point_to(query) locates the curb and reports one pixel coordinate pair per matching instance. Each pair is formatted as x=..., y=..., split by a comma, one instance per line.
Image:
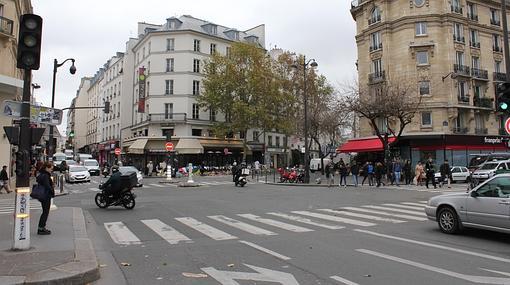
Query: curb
x=84, y=269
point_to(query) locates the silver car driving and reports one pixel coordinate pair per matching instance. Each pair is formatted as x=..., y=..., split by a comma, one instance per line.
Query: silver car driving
x=487, y=206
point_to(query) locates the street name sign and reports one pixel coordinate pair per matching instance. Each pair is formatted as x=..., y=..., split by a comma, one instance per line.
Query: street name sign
x=38, y=114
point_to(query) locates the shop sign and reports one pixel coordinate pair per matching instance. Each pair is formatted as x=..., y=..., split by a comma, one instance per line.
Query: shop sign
x=492, y=140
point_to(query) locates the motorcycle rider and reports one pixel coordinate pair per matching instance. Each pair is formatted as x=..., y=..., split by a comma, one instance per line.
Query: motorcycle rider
x=238, y=172
x=113, y=184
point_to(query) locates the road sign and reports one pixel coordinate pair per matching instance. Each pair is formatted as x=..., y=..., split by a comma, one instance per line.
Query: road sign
x=263, y=274
x=169, y=146
x=38, y=114
x=507, y=126
x=117, y=151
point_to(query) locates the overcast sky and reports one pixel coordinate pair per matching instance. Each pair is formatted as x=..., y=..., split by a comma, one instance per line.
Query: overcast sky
x=92, y=31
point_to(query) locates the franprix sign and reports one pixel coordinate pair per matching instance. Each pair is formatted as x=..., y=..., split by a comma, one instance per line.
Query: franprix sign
x=38, y=114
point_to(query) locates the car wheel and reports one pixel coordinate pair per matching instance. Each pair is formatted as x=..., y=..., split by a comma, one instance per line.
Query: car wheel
x=448, y=220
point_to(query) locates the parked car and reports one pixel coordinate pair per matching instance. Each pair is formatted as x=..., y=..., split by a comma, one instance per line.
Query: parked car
x=93, y=166
x=459, y=174
x=127, y=169
x=77, y=173
x=489, y=168
x=487, y=206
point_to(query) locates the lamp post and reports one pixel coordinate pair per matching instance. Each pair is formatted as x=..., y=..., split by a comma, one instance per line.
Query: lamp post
x=304, y=65
x=72, y=70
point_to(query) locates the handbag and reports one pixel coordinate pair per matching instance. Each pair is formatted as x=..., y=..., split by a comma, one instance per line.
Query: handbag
x=38, y=192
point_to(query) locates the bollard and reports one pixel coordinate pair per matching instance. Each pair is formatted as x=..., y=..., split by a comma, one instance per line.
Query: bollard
x=61, y=183
x=169, y=173
x=190, y=173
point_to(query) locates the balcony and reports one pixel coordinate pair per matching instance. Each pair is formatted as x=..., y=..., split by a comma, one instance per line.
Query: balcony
x=474, y=44
x=460, y=39
x=482, y=102
x=456, y=9
x=460, y=130
x=499, y=76
x=374, y=20
x=376, y=77
x=170, y=117
x=495, y=22
x=497, y=48
x=377, y=47
x=472, y=17
x=6, y=26
x=482, y=131
x=462, y=70
x=463, y=99
x=480, y=73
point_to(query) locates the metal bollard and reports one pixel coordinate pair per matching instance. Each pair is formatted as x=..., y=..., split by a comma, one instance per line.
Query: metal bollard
x=61, y=183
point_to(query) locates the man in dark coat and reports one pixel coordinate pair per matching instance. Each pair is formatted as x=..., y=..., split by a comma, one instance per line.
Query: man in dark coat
x=113, y=185
x=4, y=180
x=446, y=173
x=430, y=170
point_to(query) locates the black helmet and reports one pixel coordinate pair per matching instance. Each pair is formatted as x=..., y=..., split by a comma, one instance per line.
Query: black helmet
x=115, y=168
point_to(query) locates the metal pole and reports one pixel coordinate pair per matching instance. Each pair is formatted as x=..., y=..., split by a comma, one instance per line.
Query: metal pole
x=50, y=142
x=307, y=164
x=505, y=40
x=22, y=199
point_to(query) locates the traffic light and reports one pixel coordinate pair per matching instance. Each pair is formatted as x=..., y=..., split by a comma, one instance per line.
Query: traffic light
x=22, y=163
x=503, y=96
x=71, y=134
x=107, y=107
x=29, y=42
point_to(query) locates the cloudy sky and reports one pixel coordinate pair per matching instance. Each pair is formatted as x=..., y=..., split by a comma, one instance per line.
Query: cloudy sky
x=94, y=30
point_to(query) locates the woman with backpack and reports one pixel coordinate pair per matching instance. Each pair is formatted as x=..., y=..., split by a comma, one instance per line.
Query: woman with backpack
x=44, y=181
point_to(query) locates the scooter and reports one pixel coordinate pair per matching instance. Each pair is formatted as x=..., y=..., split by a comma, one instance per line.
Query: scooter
x=125, y=197
x=241, y=180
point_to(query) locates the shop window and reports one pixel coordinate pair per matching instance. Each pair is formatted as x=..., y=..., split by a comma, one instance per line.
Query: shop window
x=196, y=132
x=167, y=132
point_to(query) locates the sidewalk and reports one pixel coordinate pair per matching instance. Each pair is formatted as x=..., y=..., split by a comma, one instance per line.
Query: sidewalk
x=64, y=257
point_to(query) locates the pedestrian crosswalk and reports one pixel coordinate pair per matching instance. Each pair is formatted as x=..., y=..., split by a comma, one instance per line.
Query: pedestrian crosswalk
x=181, y=230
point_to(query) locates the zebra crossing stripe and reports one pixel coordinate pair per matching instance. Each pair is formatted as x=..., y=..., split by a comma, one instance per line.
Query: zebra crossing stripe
x=306, y=221
x=415, y=204
x=265, y=250
x=395, y=210
x=120, y=234
x=363, y=216
x=205, y=229
x=94, y=189
x=275, y=223
x=157, y=185
x=405, y=207
x=242, y=226
x=165, y=231
x=343, y=280
x=335, y=218
x=401, y=216
x=424, y=202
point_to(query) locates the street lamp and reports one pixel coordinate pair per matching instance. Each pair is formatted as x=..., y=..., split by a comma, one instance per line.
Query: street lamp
x=72, y=70
x=304, y=65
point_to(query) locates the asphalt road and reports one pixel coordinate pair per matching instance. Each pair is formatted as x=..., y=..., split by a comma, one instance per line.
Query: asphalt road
x=266, y=234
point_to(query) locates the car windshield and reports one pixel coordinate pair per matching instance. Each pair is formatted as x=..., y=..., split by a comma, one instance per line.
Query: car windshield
x=125, y=169
x=90, y=163
x=77, y=169
x=489, y=166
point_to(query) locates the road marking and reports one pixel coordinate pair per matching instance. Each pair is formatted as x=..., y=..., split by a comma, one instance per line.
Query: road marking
x=334, y=218
x=120, y=234
x=157, y=185
x=449, y=248
x=265, y=250
x=402, y=216
x=470, y=278
x=395, y=210
x=424, y=202
x=343, y=280
x=363, y=216
x=94, y=189
x=306, y=221
x=165, y=231
x=415, y=204
x=263, y=274
x=405, y=207
x=242, y=226
x=207, y=230
x=275, y=223
x=95, y=182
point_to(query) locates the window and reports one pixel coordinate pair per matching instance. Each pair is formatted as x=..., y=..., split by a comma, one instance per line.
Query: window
x=459, y=58
x=474, y=41
x=458, y=32
x=212, y=50
x=422, y=57
x=377, y=68
x=196, y=132
x=495, y=17
x=169, y=87
x=496, y=43
x=170, y=44
x=196, y=65
x=475, y=62
x=462, y=90
x=212, y=115
x=214, y=29
x=421, y=29
x=169, y=110
x=426, y=119
x=242, y=135
x=196, y=112
x=170, y=65
x=456, y=6
x=270, y=140
x=472, y=13
x=375, y=41
x=375, y=16
x=277, y=141
x=497, y=66
x=196, y=87
x=424, y=87
x=255, y=136
x=196, y=45
x=479, y=122
x=167, y=132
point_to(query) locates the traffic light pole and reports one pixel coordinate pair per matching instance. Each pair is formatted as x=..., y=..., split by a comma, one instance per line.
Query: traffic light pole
x=22, y=207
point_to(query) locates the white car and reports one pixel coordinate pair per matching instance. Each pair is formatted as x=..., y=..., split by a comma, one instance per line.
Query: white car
x=488, y=169
x=77, y=173
x=92, y=165
x=128, y=169
x=487, y=207
x=459, y=174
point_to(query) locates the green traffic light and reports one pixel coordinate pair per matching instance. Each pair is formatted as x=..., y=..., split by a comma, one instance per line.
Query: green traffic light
x=503, y=106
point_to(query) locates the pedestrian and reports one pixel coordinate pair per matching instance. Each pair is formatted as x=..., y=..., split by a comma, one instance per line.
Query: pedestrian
x=328, y=170
x=150, y=168
x=418, y=173
x=355, y=173
x=430, y=171
x=234, y=171
x=379, y=172
x=343, y=173
x=397, y=171
x=371, y=172
x=364, y=173
x=408, y=177
x=390, y=179
x=4, y=180
x=44, y=180
x=446, y=173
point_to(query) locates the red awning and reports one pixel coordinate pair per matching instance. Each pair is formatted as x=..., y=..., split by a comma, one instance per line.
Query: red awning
x=363, y=145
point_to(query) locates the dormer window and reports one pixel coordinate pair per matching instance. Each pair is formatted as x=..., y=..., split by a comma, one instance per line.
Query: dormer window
x=375, y=16
x=232, y=34
x=173, y=23
x=252, y=39
x=211, y=29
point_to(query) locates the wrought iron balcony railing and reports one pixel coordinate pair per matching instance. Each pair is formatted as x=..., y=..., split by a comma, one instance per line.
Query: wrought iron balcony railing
x=456, y=9
x=474, y=44
x=461, y=70
x=495, y=22
x=482, y=102
x=377, y=77
x=459, y=38
x=497, y=48
x=499, y=76
x=463, y=98
x=376, y=47
x=472, y=17
x=480, y=73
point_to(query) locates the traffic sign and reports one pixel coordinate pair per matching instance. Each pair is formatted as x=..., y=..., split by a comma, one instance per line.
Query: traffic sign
x=169, y=146
x=117, y=151
x=38, y=114
x=507, y=126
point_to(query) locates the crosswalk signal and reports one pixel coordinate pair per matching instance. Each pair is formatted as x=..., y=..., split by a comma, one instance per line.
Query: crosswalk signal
x=71, y=134
x=29, y=42
x=503, y=96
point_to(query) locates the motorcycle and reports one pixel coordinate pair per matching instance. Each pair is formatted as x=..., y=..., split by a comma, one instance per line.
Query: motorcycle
x=125, y=197
x=106, y=171
x=241, y=180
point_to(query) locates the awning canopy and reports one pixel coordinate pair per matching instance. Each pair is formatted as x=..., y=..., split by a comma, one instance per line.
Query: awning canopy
x=221, y=143
x=363, y=145
x=138, y=146
x=189, y=146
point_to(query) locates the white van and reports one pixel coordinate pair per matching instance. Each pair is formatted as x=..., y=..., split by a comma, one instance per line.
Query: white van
x=80, y=157
x=315, y=164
